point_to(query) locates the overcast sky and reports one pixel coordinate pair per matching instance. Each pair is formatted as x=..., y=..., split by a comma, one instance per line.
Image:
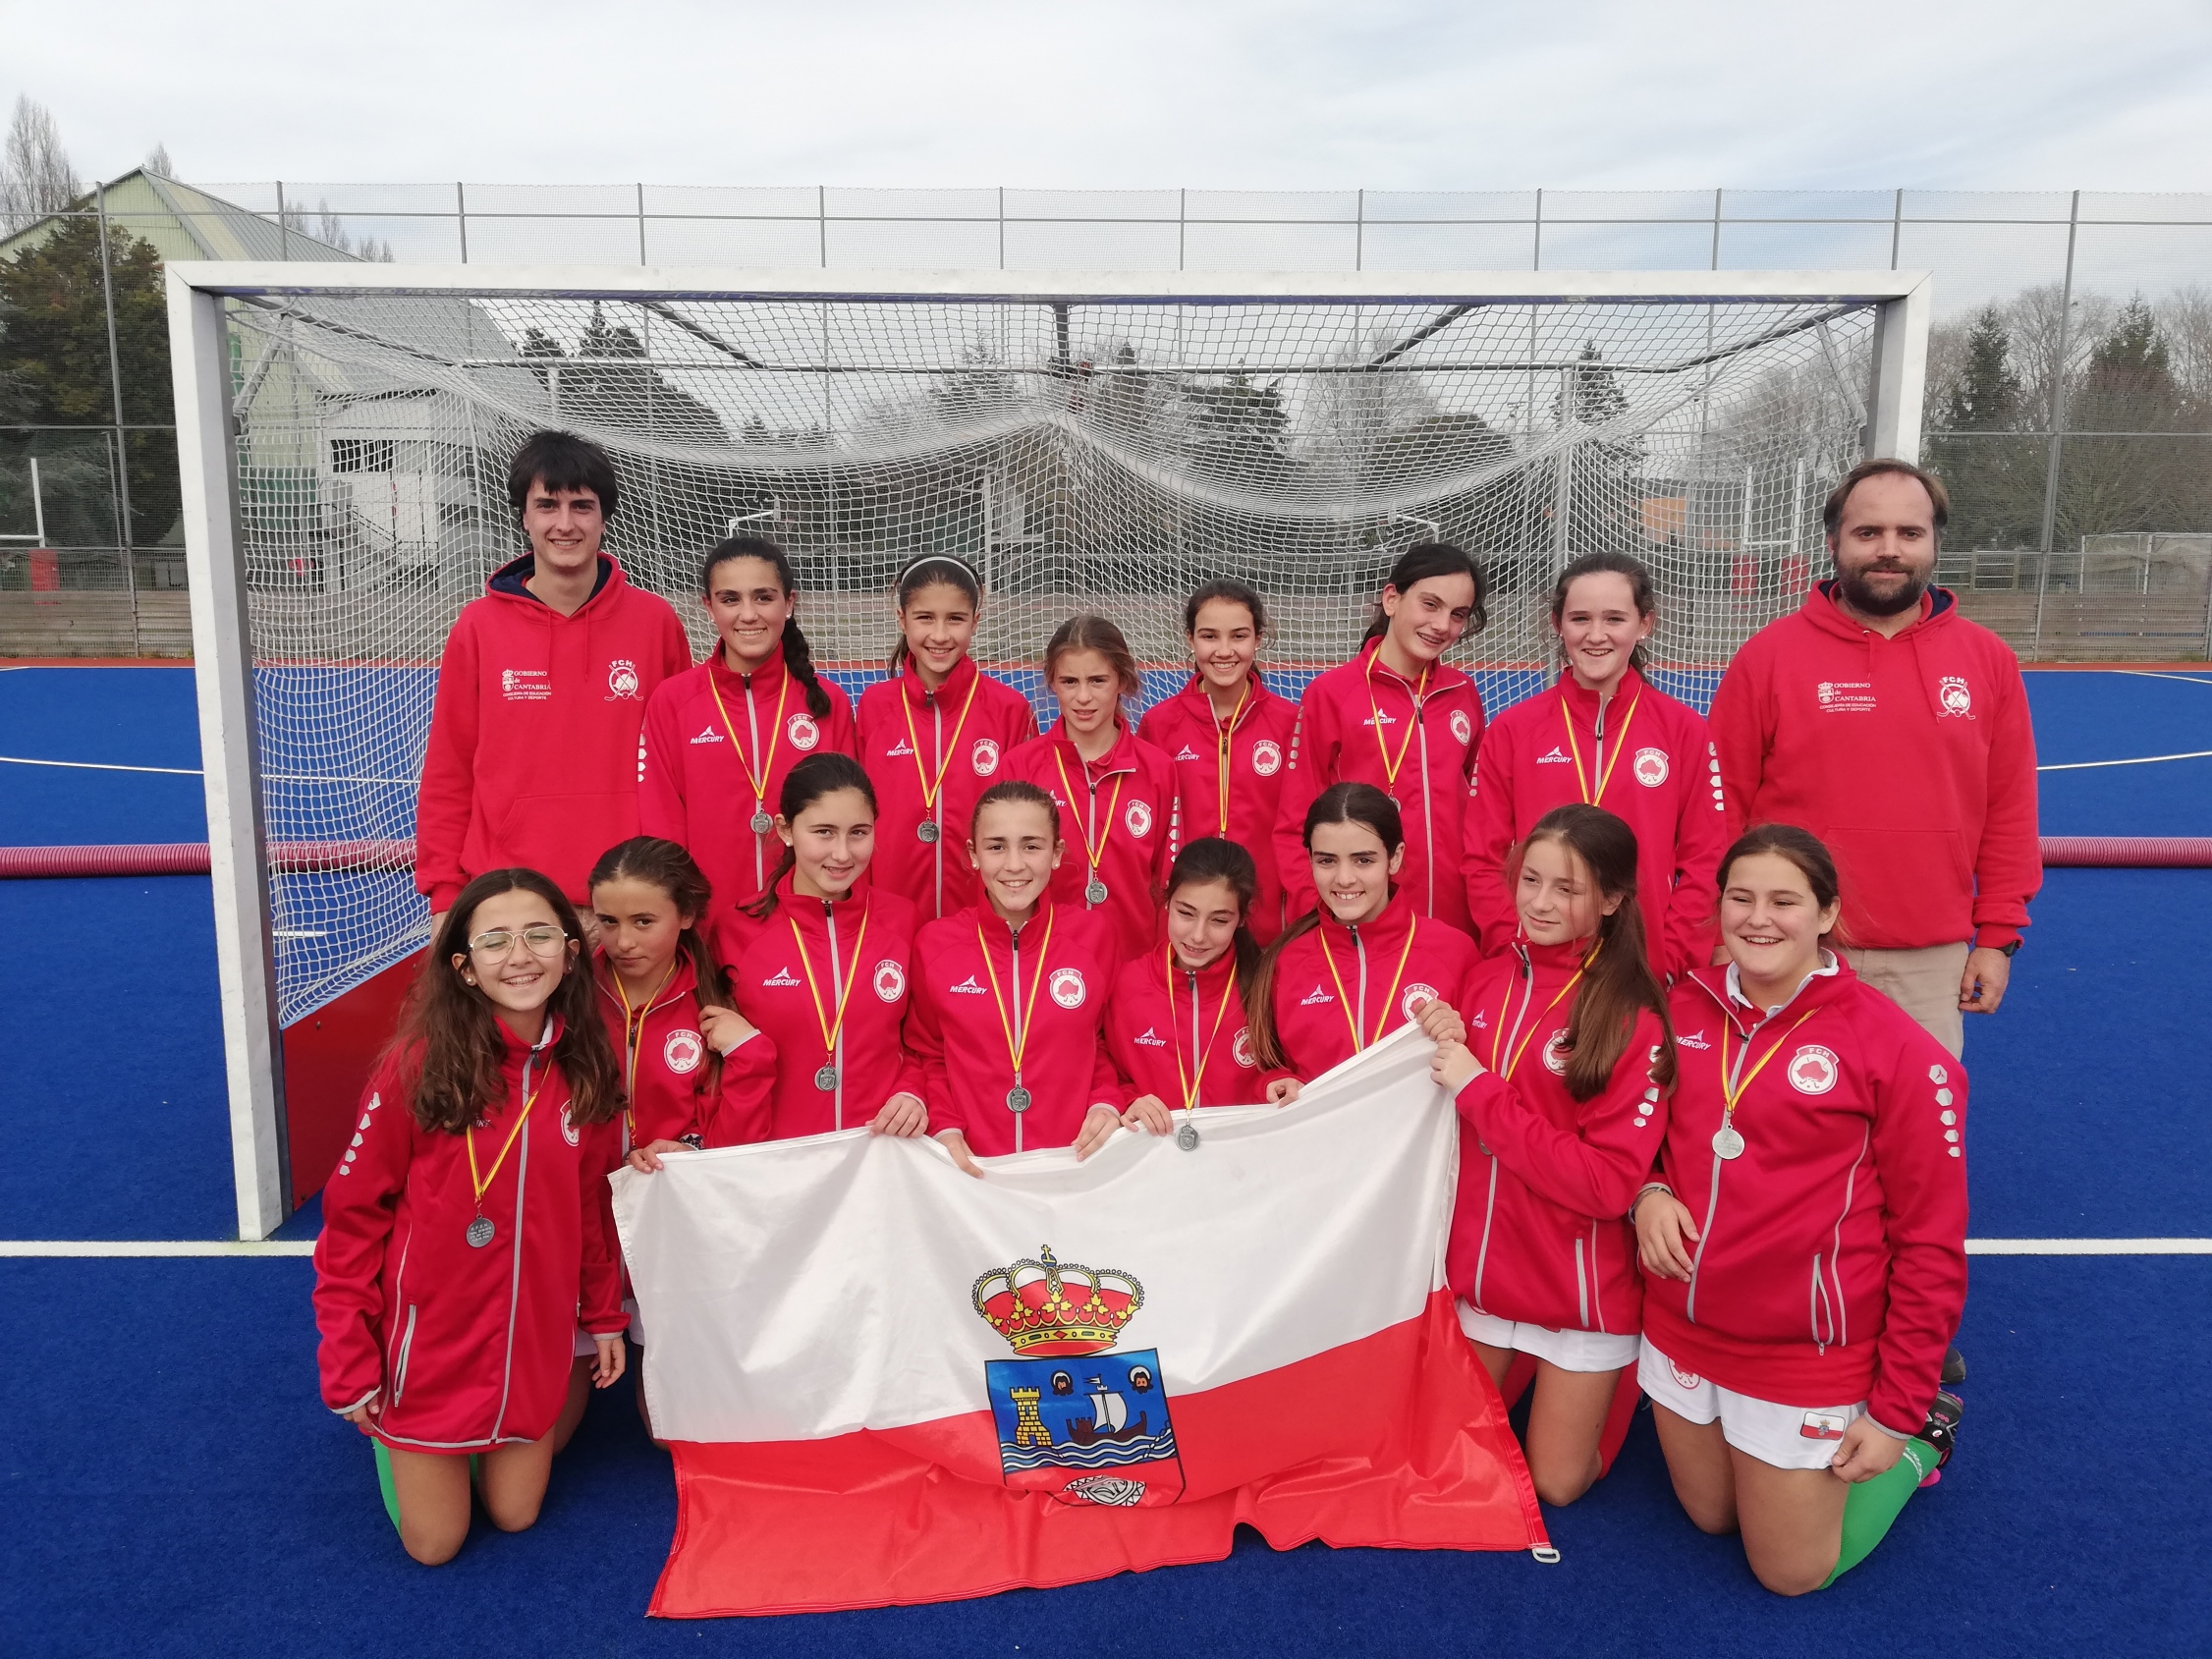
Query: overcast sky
x=2111, y=95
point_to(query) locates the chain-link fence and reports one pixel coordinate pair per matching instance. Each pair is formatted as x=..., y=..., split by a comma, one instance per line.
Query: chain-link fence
x=2070, y=401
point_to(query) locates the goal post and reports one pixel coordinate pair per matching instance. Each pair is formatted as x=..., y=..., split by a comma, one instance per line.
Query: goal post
x=1100, y=439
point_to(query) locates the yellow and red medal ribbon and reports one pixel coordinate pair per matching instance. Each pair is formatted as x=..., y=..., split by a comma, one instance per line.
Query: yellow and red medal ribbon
x=831, y=1029
x=1026, y=1020
x=1189, y=1086
x=1092, y=854
x=932, y=787
x=1391, y=767
x=1620, y=748
x=1355, y=1017
x=758, y=780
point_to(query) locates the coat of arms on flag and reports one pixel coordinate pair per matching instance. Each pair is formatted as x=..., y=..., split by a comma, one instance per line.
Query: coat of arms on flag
x=1069, y=1408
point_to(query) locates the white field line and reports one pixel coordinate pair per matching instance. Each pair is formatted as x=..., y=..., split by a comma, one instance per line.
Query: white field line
x=173, y=1247
x=100, y=766
x=2151, y=674
x=2138, y=760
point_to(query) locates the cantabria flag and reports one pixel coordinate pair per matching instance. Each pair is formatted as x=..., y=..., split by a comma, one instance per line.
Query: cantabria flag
x=889, y=1382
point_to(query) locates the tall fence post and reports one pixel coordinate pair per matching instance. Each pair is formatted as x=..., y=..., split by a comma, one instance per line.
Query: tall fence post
x=461, y=216
x=2056, y=452
x=1360, y=231
x=1717, y=229
x=641, y=260
x=821, y=222
x=122, y=436
x=1897, y=227
x=284, y=225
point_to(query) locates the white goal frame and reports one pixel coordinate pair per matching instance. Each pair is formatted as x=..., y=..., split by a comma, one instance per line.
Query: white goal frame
x=214, y=548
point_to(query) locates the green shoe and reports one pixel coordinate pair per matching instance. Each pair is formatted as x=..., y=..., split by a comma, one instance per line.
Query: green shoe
x=384, y=1483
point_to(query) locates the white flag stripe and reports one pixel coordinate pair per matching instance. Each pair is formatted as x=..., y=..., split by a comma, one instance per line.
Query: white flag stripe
x=798, y=1290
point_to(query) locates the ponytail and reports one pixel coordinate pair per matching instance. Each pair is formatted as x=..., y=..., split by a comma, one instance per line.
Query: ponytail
x=799, y=656
x=1339, y=803
x=1617, y=977
x=666, y=865
x=803, y=784
x=929, y=571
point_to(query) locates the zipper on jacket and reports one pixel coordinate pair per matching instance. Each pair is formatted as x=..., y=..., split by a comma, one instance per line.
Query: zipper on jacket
x=406, y=1345
x=1815, y=1309
x=1014, y=946
x=753, y=721
x=1597, y=760
x=1197, y=1059
x=1713, y=1196
x=937, y=845
x=837, y=1001
x=1489, y=1213
x=1597, y=1289
x=1581, y=1285
x=1429, y=826
x=1360, y=1008
x=515, y=1261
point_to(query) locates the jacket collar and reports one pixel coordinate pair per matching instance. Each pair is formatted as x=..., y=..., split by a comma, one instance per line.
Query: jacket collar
x=954, y=691
x=763, y=678
x=1442, y=676
x=993, y=927
x=1585, y=702
x=680, y=983
x=1211, y=978
x=1390, y=927
x=1824, y=985
x=1938, y=605
x=1195, y=694
x=512, y=580
x=1122, y=757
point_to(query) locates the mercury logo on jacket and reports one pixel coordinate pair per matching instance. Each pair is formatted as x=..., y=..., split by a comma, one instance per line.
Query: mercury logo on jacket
x=1832, y=1260
x=1911, y=758
x=1383, y=974
x=1150, y=1028
x=534, y=747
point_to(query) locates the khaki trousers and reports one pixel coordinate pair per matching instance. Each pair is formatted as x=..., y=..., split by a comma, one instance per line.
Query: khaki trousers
x=1924, y=983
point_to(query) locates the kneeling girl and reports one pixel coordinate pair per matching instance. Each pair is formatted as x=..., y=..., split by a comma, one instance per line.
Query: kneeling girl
x=1804, y=1245
x=468, y=1222
x=1557, y=1086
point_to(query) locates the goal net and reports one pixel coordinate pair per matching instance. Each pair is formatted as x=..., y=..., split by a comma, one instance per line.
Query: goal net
x=1082, y=449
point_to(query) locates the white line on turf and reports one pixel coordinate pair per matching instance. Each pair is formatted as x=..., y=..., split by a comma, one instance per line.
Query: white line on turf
x=2152, y=673
x=100, y=766
x=125, y=1248
x=2138, y=760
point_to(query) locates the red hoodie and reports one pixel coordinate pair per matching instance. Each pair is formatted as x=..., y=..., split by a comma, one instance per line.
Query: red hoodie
x=1654, y=769
x=1123, y=807
x=1912, y=758
x=532, y=755
x=1229, y=778
x=1832, y=1265
x=470, y=1346
x=1428, y=740
x=1380, y=973
x=787, y=976
x=908, y=737
x=701, y=757
x=1539, y=1233
x=1162, y=1016
x=665, y=1063
x=962, y=1032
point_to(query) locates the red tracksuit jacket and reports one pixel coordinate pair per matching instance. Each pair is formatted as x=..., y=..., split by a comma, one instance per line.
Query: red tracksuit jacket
x=1833, y=1264
x=1125, y=801
x=787, y=975
x=959, y=1030
x=1912, y=759
x=1659, y=775
x=1337, y=740
x=1382, y=973
x=1248, y=778
x=664, y=1058
x=470, y=1347
x=532, y=755
x=967, y=741
x=1160, y=1015
x=692, y=788
x=1539, y=1232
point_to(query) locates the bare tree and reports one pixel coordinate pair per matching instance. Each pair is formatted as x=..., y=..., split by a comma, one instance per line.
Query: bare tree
x=159, y=162
x=36, y=177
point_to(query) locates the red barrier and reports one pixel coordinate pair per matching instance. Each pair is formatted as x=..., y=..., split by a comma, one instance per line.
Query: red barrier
x=189, y=858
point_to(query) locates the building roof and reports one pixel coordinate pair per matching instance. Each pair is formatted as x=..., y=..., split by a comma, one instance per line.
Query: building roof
x=182, y=223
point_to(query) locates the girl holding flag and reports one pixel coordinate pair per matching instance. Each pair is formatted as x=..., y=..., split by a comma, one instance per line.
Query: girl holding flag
x=721, y=737
x=1604, y=737
x=1366, y=960
x=934, y=735
x=466, y=1231
x=1113, y=789
x=1399, y=718
x=1228, y=737
x=1176, y=1026
x=1010, y=997
x=821, y=965
x=1803, y=1242
x=1558, y=1084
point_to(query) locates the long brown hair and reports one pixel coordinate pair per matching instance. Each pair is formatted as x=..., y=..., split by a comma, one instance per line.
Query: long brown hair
x=798, y=655
x=666, y=865
x=803, y=784
x=1212, y=859
x=451, y=1035
x=1339, y=803
x=1616, y=976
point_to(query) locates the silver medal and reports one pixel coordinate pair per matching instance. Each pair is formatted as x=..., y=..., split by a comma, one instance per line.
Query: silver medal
x=1187, y=1137
x=1017, y=1099
x=826, y=1078
x=1095, y=893
x=763, y=823
x=1727, y=1144
x=479, y=1232
x=927, y=830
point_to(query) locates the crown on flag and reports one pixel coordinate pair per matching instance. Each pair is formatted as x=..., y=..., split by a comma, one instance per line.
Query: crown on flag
x=1046, y=1307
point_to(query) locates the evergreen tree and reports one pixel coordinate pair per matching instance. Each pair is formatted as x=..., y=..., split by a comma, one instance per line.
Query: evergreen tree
x=1995, y=479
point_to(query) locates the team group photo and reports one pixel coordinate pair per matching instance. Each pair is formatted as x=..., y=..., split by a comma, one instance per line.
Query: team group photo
x=809, y=908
